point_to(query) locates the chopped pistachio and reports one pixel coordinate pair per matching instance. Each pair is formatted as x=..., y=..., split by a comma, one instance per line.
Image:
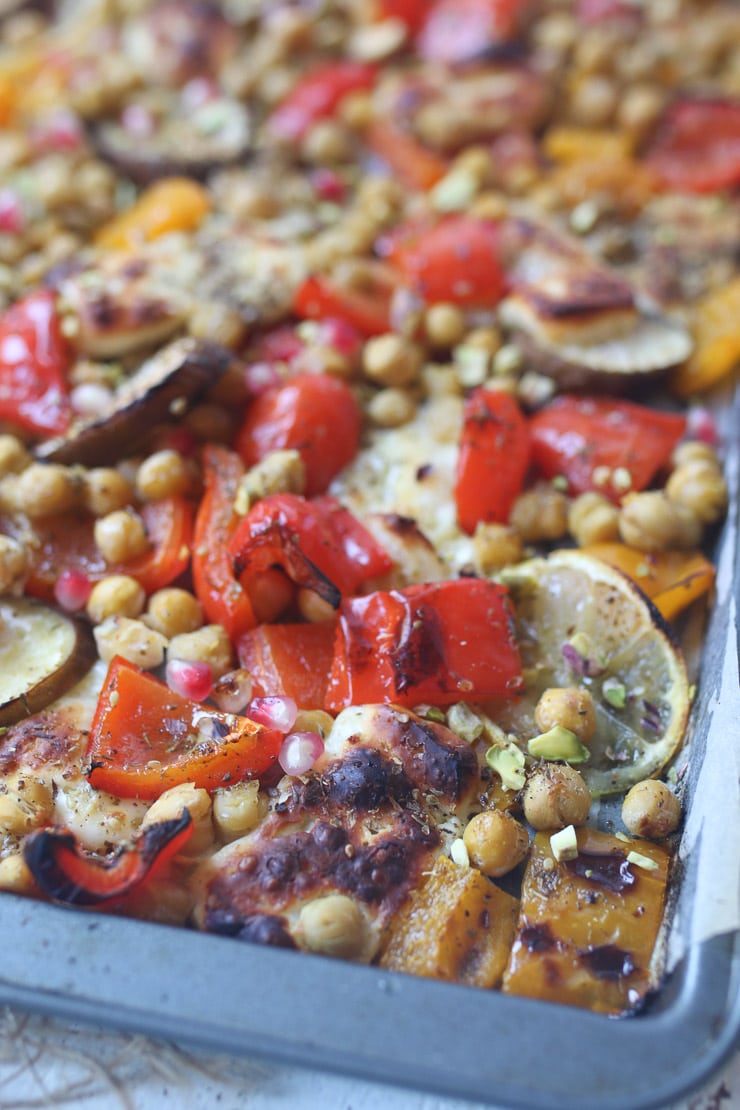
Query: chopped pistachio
x=622, y=479
x=623, y=836
x=642, y=571
x=584, y=217
x=638, y=860
x=564, y=844
x=507, y=360
x=558, y=743
x=615, y=692
x=560, y=482
x=471, y=365
x=508, y=763
x=459, y=853
x=462, y=720
x=430, y=713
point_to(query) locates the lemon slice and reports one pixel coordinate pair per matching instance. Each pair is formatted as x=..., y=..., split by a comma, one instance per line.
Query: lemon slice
x=582, y=623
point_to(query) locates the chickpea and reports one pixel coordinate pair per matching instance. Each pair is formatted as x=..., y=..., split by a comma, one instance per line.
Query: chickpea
x=651, y=522
x=334, y=926
x=490, y=206
x=173, y=611
x=105, y=490
x=639, y=108
x=484, y=339
x=444, y=325
x=569, y=707
x=313, y=608
x=163, y=474
x=26, y=804
x=171, y=805
x=391, y=408
x=651, y=810
x=327, y=143
x=540, y=514
x=699, y=486
x=593, y=519
x=117, y=596
x=496, y=546
x=496, y=842
x=238, y=810
x=14, y=565
x=594, y=101
x=217, y=322
x=15, y=875
x=556, y=796
x=131, y=639
x=14, y=456
x=392, y=360
x=314, y=720
x=121, y=536
x=43, y=488
x=209, y=644
x=694, y=450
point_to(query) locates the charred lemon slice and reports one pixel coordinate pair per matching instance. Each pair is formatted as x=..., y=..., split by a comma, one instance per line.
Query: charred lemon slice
x=582, y=623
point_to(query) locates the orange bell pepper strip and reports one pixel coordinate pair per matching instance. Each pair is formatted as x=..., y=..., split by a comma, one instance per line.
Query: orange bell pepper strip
x=414, y=165
x=171, y=204
x=671, y=579
x=717, y=342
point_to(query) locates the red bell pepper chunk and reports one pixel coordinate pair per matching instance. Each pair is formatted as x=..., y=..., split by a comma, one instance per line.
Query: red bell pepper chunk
x=319, y=544
x=145, y=738
x=34, y=359
x=68, y=543
x=456, y=260
x=696, y=147
x=224, y=599
x=68, y=874
x=289, y=660
x=317, y=96
x=493, y=460
x=586, y=439
x=315, y=414
x=368, y=308
x=437, y=643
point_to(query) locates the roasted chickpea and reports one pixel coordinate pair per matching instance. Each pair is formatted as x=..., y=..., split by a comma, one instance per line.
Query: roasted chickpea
x=496, y=842
x=570, y=707
x=593, y=519
x=105, y=490
x=14, y=564
x=164, y=474
x=555, y=796
x=14, y=456
x=43, y=488
x=117, y=596
x=171, y=805
x=390, y=408
x=26, y=804
x=392, y=360
x=651, y=522
x=334, y=926
x=313, y=608
x=444, y=325
x=699, y=486
x=540, y=514
x=173, y=611
x=121, y=536
x=651, y=810
x=694, y=450
x=238, y=810
x=496, y=546
x=131, y=639
x=15, y=875
x=209, y=644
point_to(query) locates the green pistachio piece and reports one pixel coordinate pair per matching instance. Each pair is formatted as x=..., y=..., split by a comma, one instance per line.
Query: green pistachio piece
x=508, y=763
x=558, y=743
x=463, y=721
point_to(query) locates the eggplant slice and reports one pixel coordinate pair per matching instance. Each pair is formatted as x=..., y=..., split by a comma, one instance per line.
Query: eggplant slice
x=168, y=383
x=43, y=654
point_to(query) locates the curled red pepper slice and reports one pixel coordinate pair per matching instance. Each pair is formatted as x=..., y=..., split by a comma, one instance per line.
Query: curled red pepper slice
x=67, y=873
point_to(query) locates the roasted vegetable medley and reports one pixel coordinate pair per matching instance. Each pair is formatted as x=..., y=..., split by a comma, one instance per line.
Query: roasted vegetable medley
x=359, y=469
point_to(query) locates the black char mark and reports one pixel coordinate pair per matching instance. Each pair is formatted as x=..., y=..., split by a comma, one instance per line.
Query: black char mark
x=607, y=961
x=362, y=781
x=434, y=760
x=612, y=871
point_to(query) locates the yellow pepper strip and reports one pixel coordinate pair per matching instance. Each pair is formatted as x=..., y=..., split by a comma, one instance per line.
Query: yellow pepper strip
x=671, y=579
x=172, y=204
x=585, y=144
x=716, y=342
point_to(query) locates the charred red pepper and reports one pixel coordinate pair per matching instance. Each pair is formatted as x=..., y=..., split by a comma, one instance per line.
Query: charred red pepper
x=145, y=738
x=34, y=359
x=438, y=643
x=291, y=660
x=318, y=543
x=493, y=460
x=366, y=307
x=456, y=260
x=67, y=873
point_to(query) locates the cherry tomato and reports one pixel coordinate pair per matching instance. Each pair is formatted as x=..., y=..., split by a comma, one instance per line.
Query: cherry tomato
x=587, y=439
x=696, y=147
x=462, y=30
x=289, y=660
x=319, y=544
x=145, y=738
x=438, y=643
x=67, y=542
x=317, y=96
x=223, y=599
x=493, y=461
x=367, y=308
x=316, y=415
x=34, y=359
x=456, y=260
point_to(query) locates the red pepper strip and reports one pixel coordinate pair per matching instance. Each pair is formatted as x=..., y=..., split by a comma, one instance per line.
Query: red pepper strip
x=317, y=96
x=67, y=873
x=493, y=460
x=223, y=598
x=34, y=359
x=437, y=643
x=319, y=544
x=289, y=660
x=368, y=308
x=145, y=738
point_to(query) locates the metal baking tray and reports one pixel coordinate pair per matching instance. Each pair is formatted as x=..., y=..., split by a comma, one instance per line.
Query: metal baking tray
x=213, y=992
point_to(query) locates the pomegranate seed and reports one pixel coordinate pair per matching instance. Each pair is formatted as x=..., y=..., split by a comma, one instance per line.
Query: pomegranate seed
x=281, y=345
x=328, y=185
x=299, y=752
x=192, y=680
x=340, y=335
x=198, y=92
x=261, y=376
x=701, y=425
x=12, y=216
x=138, y=121
x=72, y=590
x=232, y=691
x=275, y=712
